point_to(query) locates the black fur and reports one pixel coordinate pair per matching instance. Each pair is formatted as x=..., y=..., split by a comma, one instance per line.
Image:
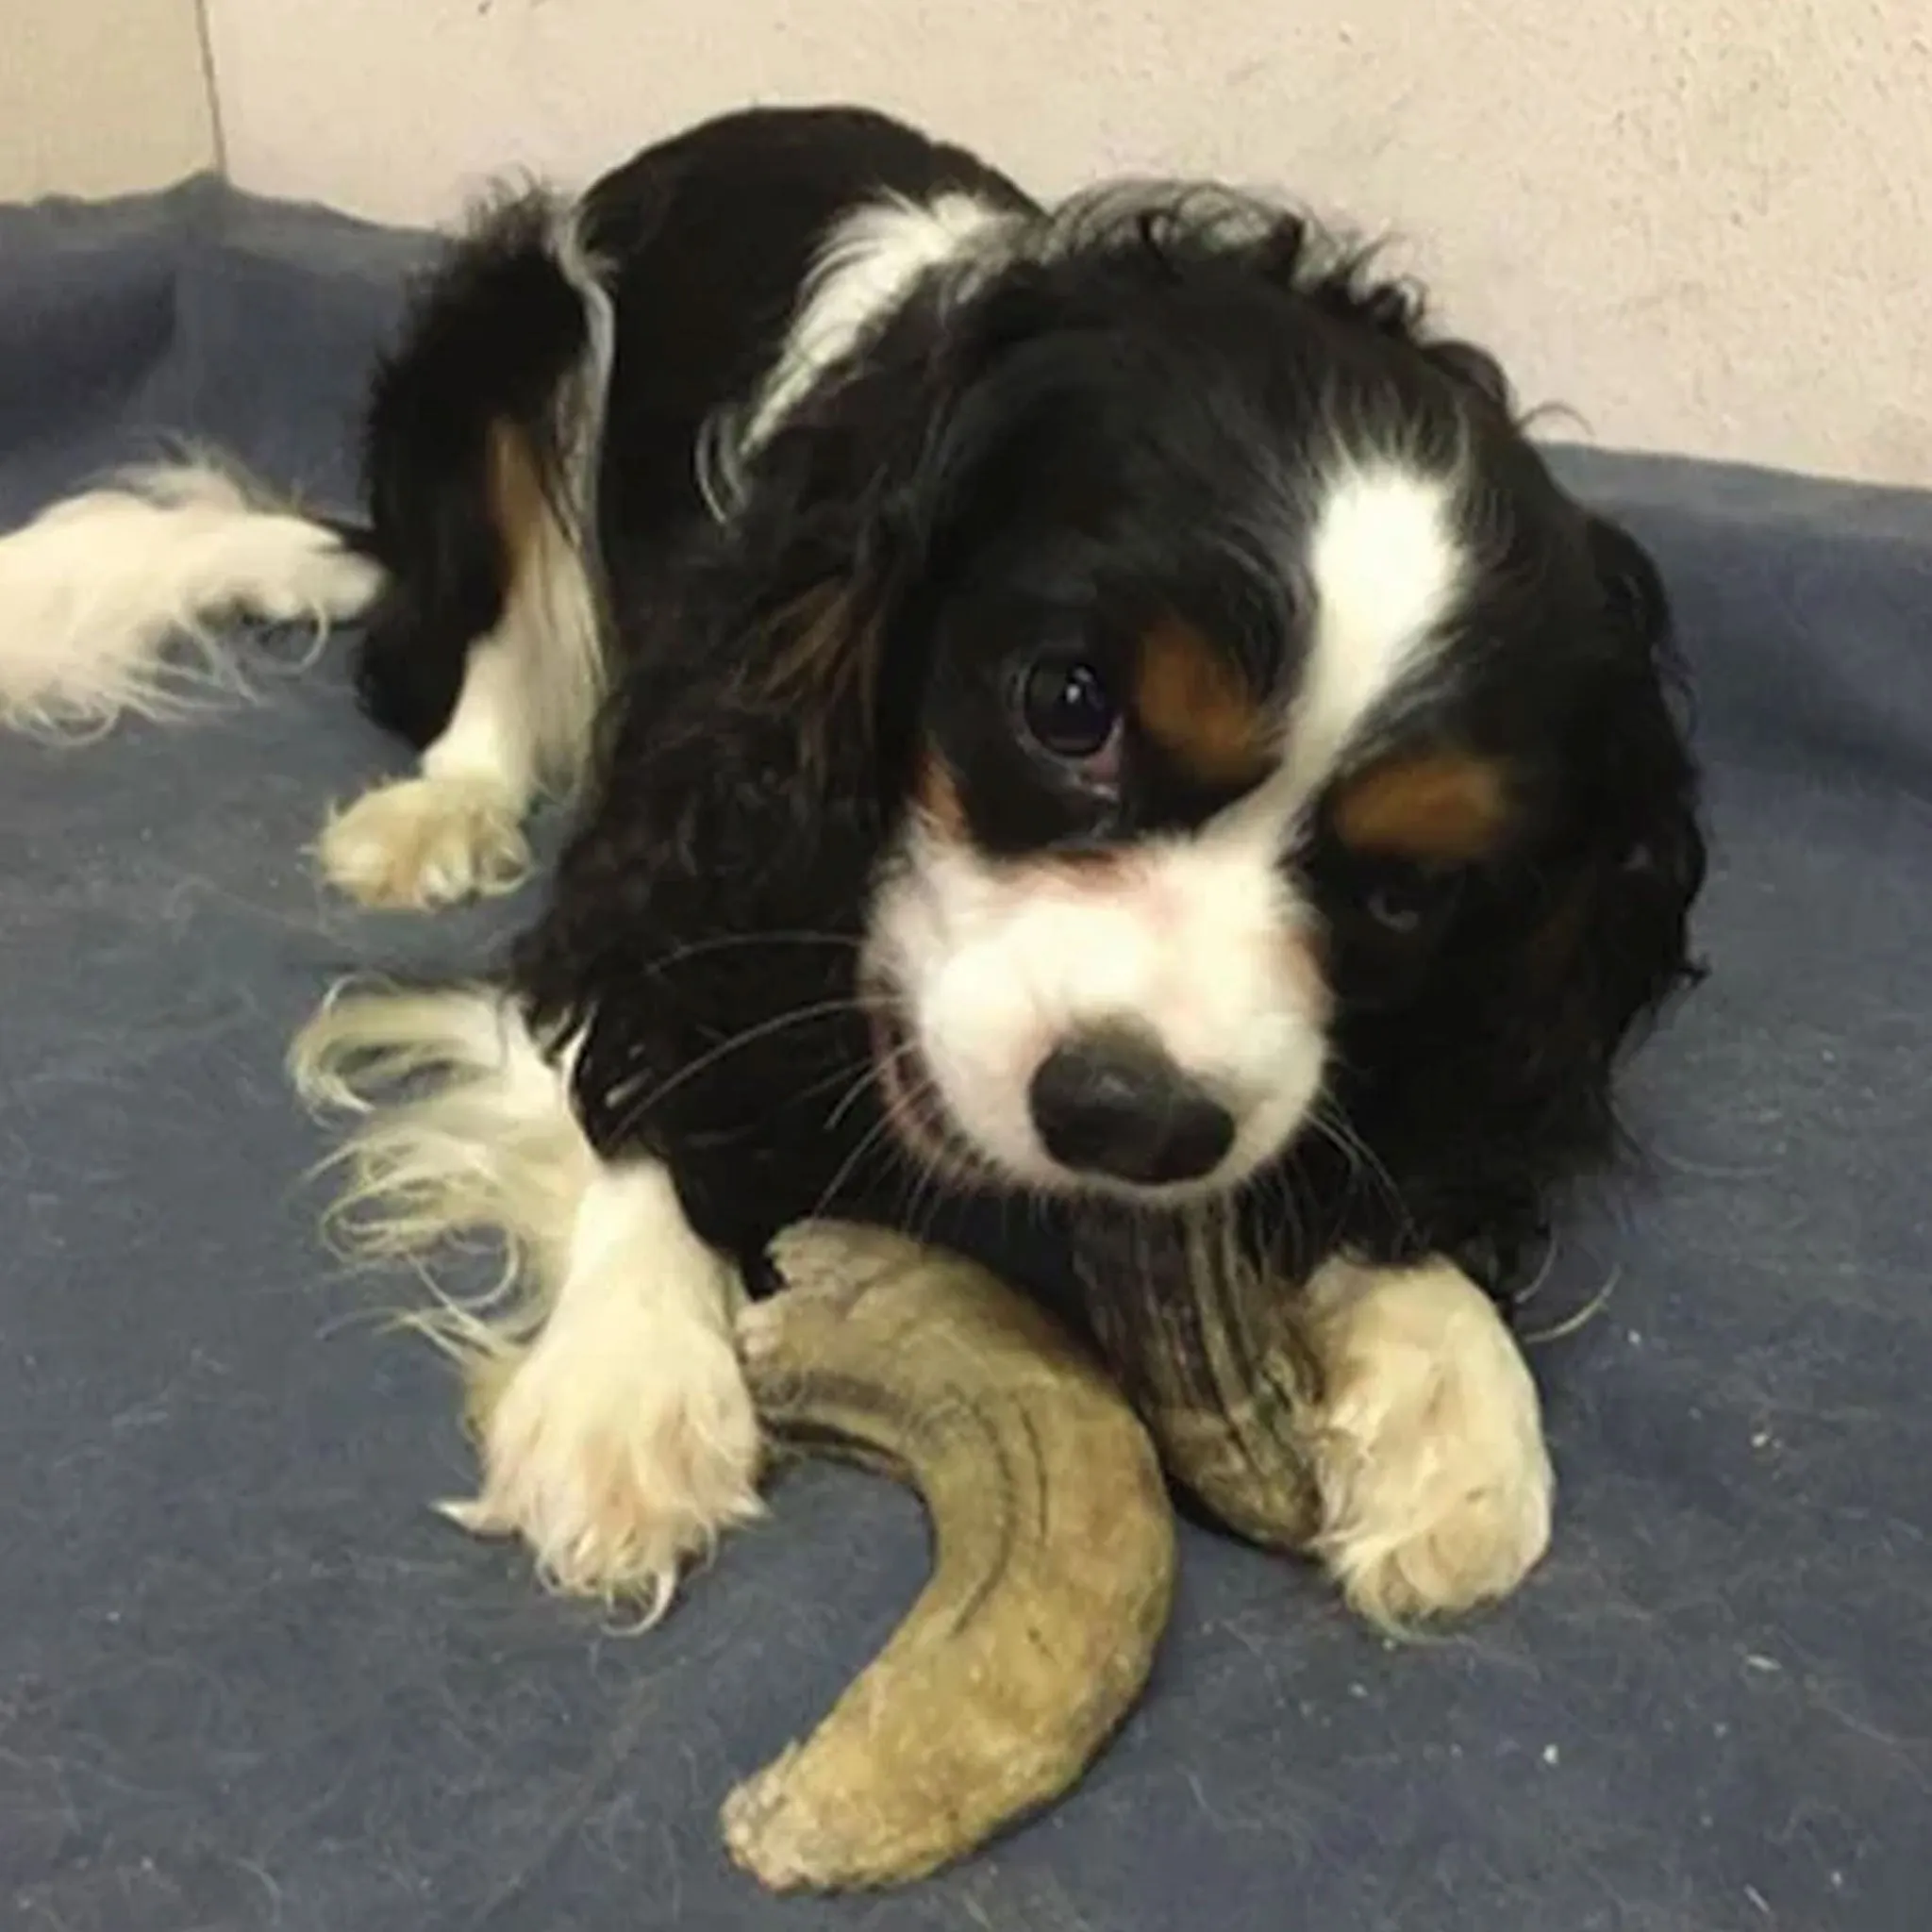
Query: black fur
x=1491, y=1082
x=704, y=240
x=496, y=329
x=1107, y=433
x=711, y=235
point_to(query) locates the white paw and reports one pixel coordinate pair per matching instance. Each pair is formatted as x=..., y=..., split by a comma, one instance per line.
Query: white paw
x=1435, y=1484
x=618, y=1459
x=423, y=843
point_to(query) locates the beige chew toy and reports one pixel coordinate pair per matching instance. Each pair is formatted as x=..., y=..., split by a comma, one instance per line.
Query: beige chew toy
x=1053, y=1528
x=1052, y=1573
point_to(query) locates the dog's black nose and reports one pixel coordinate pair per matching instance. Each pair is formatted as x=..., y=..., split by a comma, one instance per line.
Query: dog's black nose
x=1112, y=1102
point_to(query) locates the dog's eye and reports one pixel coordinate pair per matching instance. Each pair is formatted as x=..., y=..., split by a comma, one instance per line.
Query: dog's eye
x=1404, y=903
x=1398, y=907
x=1067, y=710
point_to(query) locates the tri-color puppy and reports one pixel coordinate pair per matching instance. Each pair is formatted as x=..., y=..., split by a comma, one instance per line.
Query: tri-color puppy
x=1063, y=702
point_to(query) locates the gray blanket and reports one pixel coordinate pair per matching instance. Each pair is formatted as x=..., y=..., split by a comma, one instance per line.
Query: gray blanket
x=247, y=1681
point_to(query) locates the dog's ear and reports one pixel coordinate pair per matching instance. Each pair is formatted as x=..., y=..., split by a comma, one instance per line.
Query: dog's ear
x=1614, y=944
x=817, y=657
x=708, y=891
x=1608, y=943
x=1558, y=957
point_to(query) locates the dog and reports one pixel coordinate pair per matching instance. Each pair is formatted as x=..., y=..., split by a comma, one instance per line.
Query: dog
x=1097, y=705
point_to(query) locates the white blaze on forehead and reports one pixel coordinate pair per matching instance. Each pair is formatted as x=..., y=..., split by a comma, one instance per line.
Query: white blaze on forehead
x=1386, y=564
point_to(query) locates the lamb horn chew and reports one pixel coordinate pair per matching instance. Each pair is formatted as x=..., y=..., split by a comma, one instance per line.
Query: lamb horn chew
x=1054, y=1570
x=1209, y=1351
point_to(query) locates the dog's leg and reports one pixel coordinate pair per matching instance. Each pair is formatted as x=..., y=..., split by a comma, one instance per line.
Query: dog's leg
x=484, y=439
x=522, y=713
x=622, y=1439
x=1427, y=1443
x=618, y=1436
x=454, y=830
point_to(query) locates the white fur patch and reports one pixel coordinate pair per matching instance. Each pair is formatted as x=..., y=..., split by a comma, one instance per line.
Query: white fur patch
x=456, y=830
x=1428, y=1446
x=106, y=600
x=1385, y=566
x=623, y=1441
x=418, y=843
x=551, y=635
x=618, y=1436
x=873, y=260
x=553, y=623
x=1199, y=940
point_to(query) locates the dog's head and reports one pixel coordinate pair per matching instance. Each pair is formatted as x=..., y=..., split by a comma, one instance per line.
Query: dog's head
x=1264, y=744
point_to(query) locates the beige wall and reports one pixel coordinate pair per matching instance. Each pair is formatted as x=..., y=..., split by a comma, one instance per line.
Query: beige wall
x=100, y=97
x=1704, y=225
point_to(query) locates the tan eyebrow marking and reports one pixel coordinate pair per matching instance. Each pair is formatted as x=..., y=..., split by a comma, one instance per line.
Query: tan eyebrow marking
x=938, y=793
x=1429, y=804
x=1194, y=704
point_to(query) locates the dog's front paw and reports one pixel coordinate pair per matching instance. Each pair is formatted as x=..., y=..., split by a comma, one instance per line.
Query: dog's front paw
x=423, y=843
x=618, y=1459
x=1435, y=1482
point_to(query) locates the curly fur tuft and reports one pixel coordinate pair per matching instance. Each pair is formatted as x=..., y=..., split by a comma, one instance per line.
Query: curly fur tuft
x=110, y=601
x=460, y=1130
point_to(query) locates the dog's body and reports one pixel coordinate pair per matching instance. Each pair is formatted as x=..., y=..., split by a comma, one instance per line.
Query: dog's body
x=1069, y=703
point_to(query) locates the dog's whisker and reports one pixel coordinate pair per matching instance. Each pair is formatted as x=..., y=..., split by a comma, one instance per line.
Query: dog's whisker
x=639, y=1108
x=868, y=1076
x=873, y=1136
x=1578, y=1318
x=869, y=1143
x=725, y=942
x=1362, y=1160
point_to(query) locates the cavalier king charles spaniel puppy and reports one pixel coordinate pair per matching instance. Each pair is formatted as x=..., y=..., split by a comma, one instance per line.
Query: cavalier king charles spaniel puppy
x=1097, y=705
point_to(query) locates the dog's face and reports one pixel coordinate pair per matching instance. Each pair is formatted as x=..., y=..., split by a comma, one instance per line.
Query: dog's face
x=1273, y=705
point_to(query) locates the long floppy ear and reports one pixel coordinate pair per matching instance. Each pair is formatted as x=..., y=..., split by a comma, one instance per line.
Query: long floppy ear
x=740, y=751
x=810, y=581
x=1607, y=943
x=1613, y=945
x=742, y=792
x=1508, y=1055
x=1597, y=928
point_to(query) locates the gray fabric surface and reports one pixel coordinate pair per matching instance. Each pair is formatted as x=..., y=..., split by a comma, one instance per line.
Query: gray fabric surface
x=247, y=1680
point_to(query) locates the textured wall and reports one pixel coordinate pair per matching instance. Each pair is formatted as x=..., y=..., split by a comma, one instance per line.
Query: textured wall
x=97, y=96
x=1704, y=223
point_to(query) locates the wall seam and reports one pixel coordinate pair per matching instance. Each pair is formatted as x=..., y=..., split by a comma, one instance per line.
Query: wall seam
x=211, y=87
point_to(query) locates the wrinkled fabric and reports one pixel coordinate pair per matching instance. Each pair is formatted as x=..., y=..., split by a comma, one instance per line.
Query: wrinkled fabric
x=248, y=1680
